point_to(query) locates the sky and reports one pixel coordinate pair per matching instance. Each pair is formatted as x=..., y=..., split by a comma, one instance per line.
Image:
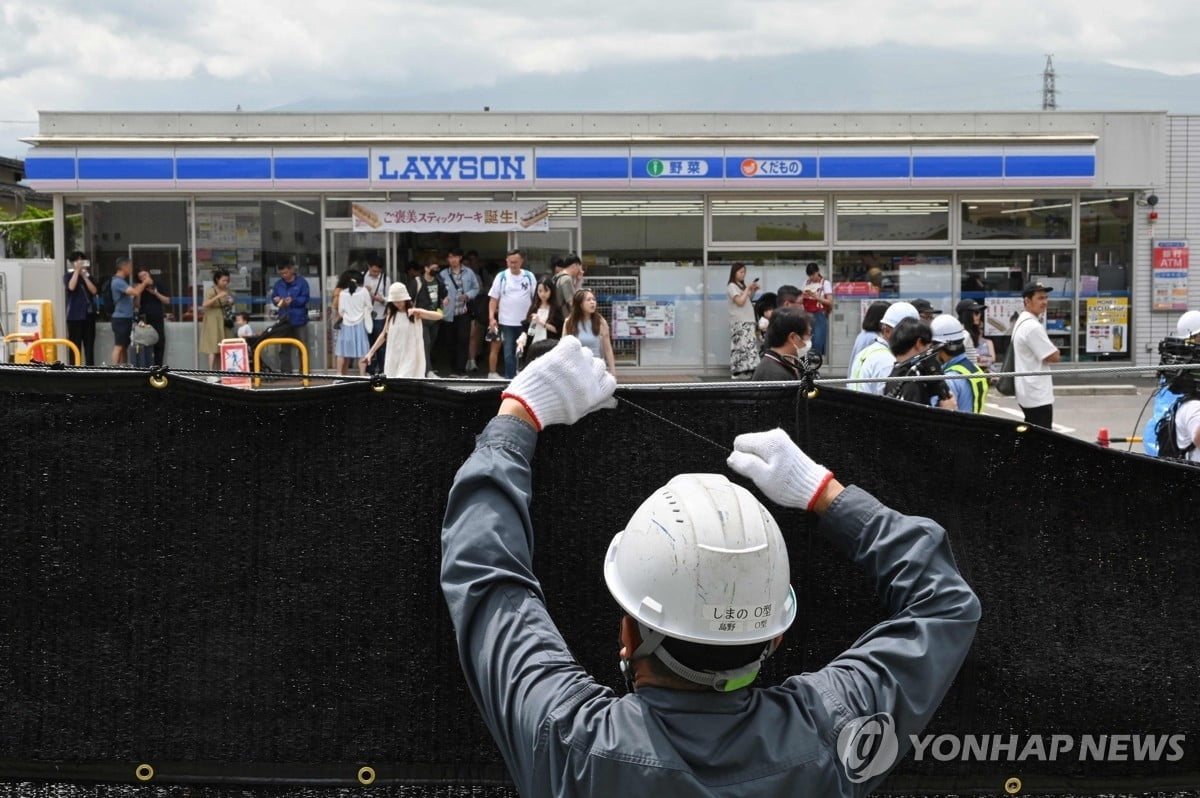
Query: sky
x=217, y=55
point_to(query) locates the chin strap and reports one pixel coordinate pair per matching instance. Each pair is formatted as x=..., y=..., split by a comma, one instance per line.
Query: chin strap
x=722, y=681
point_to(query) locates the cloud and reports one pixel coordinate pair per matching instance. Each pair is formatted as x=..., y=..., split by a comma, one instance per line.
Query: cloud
x=216, y=54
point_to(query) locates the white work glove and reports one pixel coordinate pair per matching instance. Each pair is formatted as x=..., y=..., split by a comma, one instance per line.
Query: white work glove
x=563, y=385
x=786, y=475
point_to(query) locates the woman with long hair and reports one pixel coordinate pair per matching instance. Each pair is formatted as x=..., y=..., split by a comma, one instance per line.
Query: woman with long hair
x=545, y=321
x=743, y=347
x=352, y=311
x=979, y=349
x=217, y=298
x=403, y=334
x=590, y=328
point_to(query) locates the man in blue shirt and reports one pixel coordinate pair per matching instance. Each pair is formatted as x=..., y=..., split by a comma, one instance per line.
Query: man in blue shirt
x=701, y=572
x=123, y=295
x=290, y=298
x=462, y=286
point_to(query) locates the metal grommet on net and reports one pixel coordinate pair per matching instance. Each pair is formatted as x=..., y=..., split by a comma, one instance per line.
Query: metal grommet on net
x=366, y=775
x=143, y=772
x=812, y=394
x=378, y=383
x=1012, y=786
x=1022, y=429
x=158, y=377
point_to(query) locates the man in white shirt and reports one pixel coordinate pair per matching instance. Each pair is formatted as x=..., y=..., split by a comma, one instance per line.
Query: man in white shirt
x=376, y=283
x=876, y=358
x=509, y=299
x=1034, y=351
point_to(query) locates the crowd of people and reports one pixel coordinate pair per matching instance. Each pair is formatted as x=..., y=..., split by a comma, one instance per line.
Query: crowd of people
x=457, y=314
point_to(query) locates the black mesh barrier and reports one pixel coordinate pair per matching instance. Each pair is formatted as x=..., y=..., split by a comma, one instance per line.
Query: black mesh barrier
x=223, y=591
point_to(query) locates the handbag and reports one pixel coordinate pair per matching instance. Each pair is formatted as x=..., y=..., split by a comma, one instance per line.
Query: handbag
x=1007, y=385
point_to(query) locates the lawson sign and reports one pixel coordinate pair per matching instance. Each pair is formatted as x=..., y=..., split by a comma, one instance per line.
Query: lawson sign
x=491, y=167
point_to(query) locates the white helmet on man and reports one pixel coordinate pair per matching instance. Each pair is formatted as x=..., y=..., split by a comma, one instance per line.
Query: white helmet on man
x=1189, y=324
x=947, y=329
x=703, y=561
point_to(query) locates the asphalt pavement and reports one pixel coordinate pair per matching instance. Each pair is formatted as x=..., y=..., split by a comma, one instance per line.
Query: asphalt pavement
x=1082, y=409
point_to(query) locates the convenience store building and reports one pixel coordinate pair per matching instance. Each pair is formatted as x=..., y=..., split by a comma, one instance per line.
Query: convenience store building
x=893, y=206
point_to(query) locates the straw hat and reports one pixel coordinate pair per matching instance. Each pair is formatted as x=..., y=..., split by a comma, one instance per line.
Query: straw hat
x=398, y=292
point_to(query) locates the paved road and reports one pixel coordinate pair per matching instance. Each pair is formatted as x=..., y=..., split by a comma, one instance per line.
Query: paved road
x=1081, y=410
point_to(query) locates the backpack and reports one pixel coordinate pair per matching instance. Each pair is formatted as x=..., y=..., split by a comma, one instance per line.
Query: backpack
x=1164, y=433
x=105, y=303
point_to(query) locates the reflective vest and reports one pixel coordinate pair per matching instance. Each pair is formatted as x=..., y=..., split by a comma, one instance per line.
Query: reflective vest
x=978, y=383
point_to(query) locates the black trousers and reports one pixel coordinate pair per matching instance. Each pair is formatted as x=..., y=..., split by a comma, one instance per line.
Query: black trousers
x=160, y=348
x=457, y=337
x=82, y=333
x=1042, y=415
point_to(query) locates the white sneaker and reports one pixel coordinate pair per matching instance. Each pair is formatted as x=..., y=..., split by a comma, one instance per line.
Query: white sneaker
x=494, y=376
x=431, y=375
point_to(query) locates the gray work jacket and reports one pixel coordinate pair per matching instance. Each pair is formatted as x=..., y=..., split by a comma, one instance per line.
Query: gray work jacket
x=561, y=733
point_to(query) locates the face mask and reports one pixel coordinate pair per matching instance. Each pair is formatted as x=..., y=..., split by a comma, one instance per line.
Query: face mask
x=801, y=351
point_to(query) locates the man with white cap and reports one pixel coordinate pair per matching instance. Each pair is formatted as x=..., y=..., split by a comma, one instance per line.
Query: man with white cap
x=970, y=390
x=876, y=359
x=701, y=573
x=1033, y=351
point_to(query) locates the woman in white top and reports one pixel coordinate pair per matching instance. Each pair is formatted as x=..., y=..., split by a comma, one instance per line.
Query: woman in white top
x=544, y=318
x=590, y=328
x=743, y=348
x=352, y=310
x=402, y=331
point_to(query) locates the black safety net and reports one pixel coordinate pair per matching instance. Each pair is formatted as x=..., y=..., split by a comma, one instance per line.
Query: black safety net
x=216, y=591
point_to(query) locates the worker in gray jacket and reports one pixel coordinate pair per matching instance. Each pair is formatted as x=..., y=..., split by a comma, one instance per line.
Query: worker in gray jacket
x=701, y=572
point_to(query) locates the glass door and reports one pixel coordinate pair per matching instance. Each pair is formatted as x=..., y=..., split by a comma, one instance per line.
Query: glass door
x=540, y=248
x=346, y=249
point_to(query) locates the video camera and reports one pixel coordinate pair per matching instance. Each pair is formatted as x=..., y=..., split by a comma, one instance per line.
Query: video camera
x=1176, y=351
x=925, y=364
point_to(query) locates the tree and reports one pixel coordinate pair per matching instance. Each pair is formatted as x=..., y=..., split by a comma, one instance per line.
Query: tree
x=29, y=240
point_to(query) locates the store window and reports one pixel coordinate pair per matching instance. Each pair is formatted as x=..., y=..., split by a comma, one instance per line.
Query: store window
x=1016, y=218
x=898, y=219
x=1105, y=309
x=767, y=218
x=153, y=233
x=996, y=277
x=907, y=275
x=646, y=247
x=249, y=239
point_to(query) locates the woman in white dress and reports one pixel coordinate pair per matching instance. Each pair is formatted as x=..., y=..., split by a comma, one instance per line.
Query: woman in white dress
x=353, y=309
x=402, y=331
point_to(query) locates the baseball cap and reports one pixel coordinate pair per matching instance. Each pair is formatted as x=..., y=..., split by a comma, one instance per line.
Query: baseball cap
x=1033, y=288
x=898, y=312
x=947, y=329
x=925, y=306
x=965, y=305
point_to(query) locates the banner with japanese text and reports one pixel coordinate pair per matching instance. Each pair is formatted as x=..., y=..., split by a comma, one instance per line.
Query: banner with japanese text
x=1170, y=275
x=451, y=217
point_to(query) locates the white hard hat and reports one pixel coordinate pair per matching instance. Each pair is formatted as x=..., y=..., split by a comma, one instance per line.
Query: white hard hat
x=702, y=560
x=947, y=329
x=898, y=312
x=1189, y=324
